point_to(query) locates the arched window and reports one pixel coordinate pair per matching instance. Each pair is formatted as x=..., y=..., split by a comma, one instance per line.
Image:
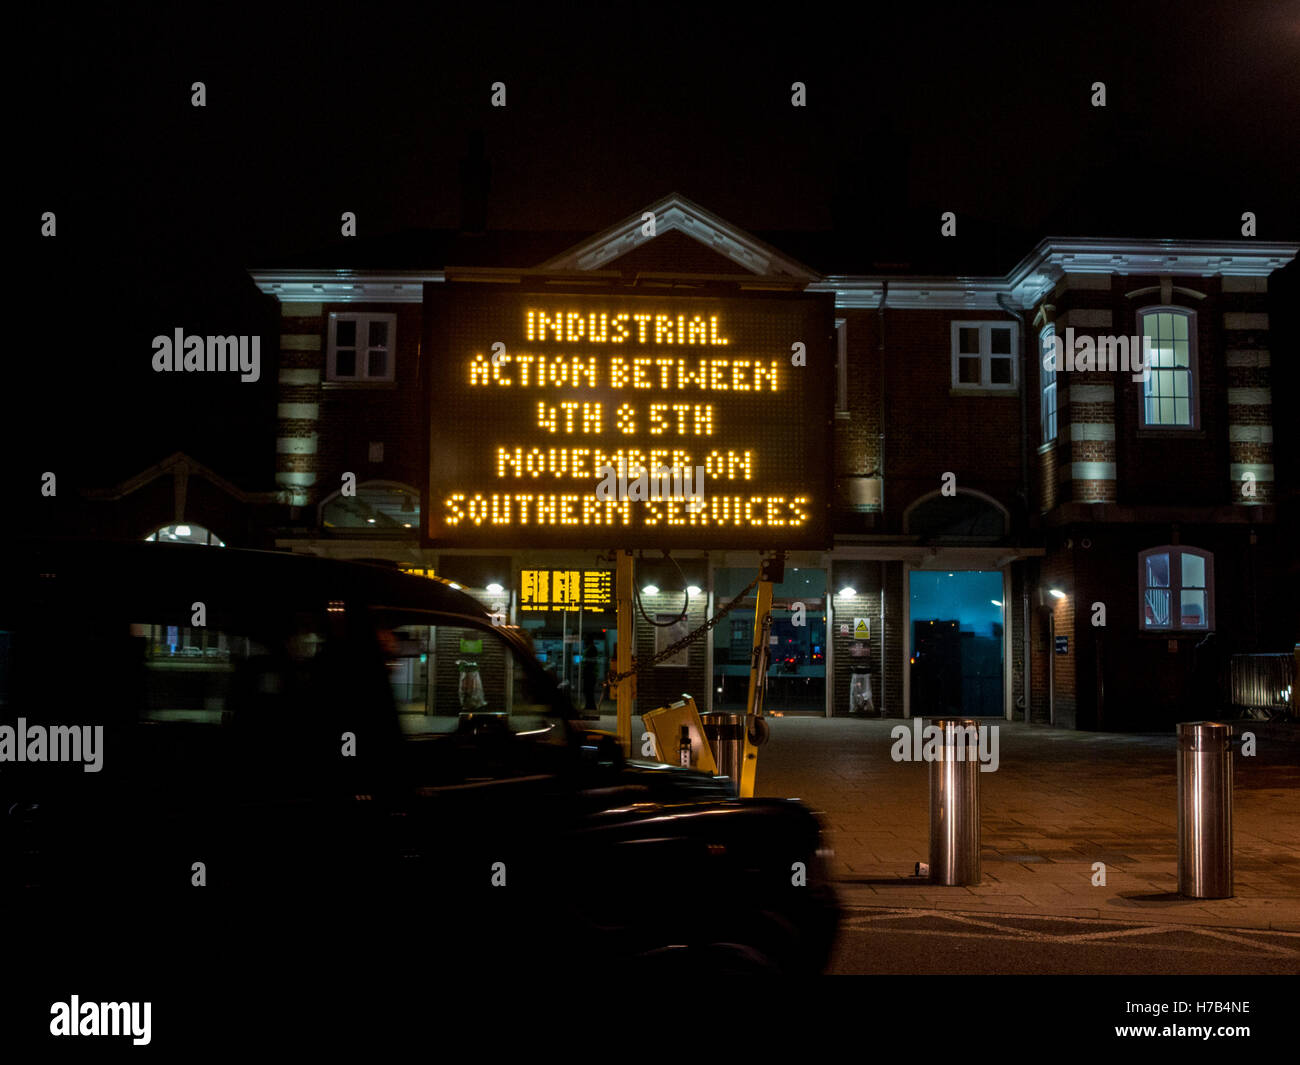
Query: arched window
x=1170, y=397
x=185, y=534
x=1047, y=378
x=966, y=516
x=1177, y=585
x=378, y=505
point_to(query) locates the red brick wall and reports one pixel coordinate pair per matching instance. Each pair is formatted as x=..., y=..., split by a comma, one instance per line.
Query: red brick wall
x=930, y=432
x=353, y=416
x=1048, y=472
x=857, y=439
x=1058, y=571
x=1174, y=468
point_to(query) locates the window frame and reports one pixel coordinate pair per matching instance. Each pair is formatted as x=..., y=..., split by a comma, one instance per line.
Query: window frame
x=520, y=664
x=985, y=327
x=378, y=483
x=1176, y=588
x=363, y=320
x=1046, y=386
x=1193, y=372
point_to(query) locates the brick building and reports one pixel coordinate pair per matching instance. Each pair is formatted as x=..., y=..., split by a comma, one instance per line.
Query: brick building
x=1075, y=546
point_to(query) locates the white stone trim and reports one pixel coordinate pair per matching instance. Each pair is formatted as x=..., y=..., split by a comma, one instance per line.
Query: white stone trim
x=1092, y=431
x=928, y=293
x=1055, y=258
x=1262, y=471
x=1250, y=397
x=1092, y=471
x=300, y=376
x=676, y=212
x=295, y=480
x=300, y=342
x=1250, y=434
x=310, y=411
x=1035, y=275
x=312, y=288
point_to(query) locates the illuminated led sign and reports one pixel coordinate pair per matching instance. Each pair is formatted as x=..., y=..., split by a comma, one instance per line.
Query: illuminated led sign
x=629, y=420
x=566, y=589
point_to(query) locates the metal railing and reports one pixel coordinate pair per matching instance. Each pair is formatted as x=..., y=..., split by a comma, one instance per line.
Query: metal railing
x=1262, y=684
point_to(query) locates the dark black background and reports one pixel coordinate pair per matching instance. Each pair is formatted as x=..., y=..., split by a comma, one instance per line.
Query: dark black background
x=981, y=109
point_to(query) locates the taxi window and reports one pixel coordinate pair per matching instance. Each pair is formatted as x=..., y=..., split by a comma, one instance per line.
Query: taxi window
x=439, y=673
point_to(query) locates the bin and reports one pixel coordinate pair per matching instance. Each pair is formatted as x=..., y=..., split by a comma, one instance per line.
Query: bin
x=725, y=732
x=860, y=701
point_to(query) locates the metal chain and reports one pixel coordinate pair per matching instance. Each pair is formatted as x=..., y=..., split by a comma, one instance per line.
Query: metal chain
x=612, y=677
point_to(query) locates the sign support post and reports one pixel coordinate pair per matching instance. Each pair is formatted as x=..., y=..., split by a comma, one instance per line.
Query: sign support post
x=623, y=593
x=759, y=657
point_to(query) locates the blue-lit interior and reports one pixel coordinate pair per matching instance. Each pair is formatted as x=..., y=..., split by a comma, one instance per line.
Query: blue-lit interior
x=956, y=651
x=964, y=596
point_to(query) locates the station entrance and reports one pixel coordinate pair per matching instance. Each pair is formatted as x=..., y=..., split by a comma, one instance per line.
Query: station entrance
x=956, y=654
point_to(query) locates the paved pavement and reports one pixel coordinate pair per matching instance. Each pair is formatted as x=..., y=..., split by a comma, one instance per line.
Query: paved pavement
x=1059, y=802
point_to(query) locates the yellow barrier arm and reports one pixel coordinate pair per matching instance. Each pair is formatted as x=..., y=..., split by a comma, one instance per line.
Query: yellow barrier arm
x=757, y=678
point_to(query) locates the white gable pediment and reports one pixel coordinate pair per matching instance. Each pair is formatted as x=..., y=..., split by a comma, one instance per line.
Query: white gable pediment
x=676, y=213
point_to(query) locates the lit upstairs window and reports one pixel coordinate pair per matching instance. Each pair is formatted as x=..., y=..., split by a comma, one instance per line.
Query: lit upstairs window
x=1170, y=397
x=1047, y=379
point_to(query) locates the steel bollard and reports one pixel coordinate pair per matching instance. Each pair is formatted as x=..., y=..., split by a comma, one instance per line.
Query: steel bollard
x=1204, y=810
x=955, y=804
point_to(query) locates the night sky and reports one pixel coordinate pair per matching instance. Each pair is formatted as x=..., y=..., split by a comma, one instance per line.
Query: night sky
x=979, y=109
